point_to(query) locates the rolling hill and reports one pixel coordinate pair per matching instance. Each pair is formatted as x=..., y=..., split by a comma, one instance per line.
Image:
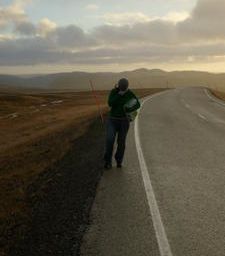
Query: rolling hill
x=140, y=78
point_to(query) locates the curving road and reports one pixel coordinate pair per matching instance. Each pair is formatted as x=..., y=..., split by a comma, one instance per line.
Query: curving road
x=180, y=210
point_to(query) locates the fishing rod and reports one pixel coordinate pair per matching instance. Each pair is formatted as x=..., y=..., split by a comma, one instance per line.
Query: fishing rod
x=96, y=100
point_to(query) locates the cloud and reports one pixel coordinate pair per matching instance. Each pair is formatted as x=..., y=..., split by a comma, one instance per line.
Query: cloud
x=151, y=53
x=71, y=37
x=206, y=21
x=204, y=24
x=131, y=18
x=176, y=16
x=125, y=38
x=125, y=18
x=25, y=28
x=41, y=50
x=156, y=31
x=46, y=26
x=6, y=37
x=92, y=7
x=13, y=14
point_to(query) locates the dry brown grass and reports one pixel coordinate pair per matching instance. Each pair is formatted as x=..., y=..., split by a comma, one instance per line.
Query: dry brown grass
x=218, y=94
x=36, y=131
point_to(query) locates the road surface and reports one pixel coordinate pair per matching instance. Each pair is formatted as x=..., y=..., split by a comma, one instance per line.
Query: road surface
x=180, y=210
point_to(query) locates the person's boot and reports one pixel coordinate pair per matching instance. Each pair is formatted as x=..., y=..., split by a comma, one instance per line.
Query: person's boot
x=107, y=166
x=119, y=165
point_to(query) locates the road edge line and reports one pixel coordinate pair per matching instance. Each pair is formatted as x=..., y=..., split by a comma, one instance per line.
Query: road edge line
x=163, y=243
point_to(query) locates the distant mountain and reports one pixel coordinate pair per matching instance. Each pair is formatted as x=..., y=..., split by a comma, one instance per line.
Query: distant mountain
x=140, y=78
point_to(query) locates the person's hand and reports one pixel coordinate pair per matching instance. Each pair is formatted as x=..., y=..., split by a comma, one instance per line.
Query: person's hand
x=116, y=88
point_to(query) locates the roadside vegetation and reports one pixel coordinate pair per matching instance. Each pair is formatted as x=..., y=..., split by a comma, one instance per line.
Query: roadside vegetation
x=219, y=94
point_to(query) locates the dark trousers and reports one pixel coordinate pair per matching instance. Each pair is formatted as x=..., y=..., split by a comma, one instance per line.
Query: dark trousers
x=120, y=128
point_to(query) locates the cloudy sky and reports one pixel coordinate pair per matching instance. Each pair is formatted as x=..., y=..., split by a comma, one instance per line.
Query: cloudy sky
x=38, y=36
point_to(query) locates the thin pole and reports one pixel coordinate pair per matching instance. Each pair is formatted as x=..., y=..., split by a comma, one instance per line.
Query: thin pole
x=97, y=101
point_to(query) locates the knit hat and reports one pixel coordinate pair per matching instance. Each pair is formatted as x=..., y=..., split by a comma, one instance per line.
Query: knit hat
x=123, y=84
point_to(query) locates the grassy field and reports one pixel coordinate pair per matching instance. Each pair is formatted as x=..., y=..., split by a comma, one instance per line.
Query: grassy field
x=37, y=130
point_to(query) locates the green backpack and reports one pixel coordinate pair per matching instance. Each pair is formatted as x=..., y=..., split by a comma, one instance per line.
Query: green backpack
x=131, y=115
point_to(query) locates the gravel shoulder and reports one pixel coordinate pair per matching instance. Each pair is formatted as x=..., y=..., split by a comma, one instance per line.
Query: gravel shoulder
x=61, y=198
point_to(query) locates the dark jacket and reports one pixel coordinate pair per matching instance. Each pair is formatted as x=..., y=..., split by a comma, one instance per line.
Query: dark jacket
x=117, y=103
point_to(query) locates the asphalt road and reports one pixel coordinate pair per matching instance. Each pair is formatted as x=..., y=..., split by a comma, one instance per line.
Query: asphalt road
x=180, y=210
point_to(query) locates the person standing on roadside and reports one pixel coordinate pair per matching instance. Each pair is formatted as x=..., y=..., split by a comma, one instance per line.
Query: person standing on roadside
x=124, y=105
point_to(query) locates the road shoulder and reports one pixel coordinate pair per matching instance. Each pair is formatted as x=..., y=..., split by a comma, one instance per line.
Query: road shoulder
x=120, y=219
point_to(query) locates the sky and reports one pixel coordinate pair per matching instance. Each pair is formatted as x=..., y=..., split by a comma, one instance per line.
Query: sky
x=38, y=36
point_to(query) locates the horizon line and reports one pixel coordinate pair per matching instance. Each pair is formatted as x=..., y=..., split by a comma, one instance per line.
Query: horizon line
x=113, y=72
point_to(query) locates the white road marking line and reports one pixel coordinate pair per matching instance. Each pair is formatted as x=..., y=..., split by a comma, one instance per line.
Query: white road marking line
x=201, y=116
x=186, y=104
x=213, y=98
x=161, y=236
